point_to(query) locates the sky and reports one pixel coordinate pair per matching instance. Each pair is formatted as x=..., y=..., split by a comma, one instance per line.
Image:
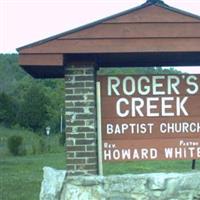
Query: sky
x=25, y=21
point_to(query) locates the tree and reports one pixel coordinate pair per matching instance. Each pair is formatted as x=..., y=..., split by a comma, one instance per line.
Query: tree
x=10, y=73
x=33, y=113
x=7, y=109
x=56, y=97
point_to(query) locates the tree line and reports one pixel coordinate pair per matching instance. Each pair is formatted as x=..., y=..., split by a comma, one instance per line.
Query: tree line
x=27, y=102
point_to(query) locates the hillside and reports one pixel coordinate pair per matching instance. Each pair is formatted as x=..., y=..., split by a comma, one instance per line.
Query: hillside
x=16, y=93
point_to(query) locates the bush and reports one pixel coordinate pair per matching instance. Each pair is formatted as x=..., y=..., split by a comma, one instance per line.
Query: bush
x=15, y=145
x=34, y=149
x=42, y=146
x=62, y=139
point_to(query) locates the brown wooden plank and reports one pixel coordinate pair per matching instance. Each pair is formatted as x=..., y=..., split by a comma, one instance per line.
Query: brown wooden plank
x=117, y=45
x=153, y=14
x=41, y=59
x=138, y=30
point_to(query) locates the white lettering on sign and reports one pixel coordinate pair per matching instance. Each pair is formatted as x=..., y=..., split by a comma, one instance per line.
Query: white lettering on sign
x=191, y=81
x=143, y=80
x=113, y=84
x=188, y=143
x=173, y=83
x=166, y=106
x=130, y=154
x=145, y=85
x=157, y=86
x=120, y=111
x=149, y=106
x=133, y=128
x=182, y=127
x=129, y=80
x=182, y=152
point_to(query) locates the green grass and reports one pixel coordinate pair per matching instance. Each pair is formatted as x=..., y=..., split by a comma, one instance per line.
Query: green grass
x=21, y=177
x=149, y=167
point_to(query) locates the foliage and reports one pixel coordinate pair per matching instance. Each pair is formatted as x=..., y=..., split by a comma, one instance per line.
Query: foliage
x=34, y=143
x=7, y=110
x=56, y=103
x=137, y=70
x=33, y=113
x=62, y=139
x=42, y=145
x=15, y=145
x=23, y=99
x=10, y=73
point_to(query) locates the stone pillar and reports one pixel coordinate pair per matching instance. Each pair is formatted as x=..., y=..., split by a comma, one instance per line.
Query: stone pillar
x=81, y=132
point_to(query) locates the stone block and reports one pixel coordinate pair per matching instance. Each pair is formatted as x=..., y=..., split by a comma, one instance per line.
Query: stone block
x=57, y=186
x=52, y=183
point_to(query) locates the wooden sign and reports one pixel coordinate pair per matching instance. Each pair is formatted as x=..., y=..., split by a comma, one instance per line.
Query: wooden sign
x=154, y=117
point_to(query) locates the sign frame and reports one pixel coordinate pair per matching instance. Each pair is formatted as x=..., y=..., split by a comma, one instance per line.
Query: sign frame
x=99, y=130
x=100, y=120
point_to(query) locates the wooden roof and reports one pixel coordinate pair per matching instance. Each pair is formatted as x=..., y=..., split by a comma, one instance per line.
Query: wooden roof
x=152, y=34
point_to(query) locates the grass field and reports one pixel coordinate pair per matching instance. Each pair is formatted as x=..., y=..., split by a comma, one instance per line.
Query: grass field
x=149, y=167
x=21, y=176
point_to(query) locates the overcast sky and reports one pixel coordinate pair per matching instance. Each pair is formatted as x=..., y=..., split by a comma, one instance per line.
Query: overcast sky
x=26, y=21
